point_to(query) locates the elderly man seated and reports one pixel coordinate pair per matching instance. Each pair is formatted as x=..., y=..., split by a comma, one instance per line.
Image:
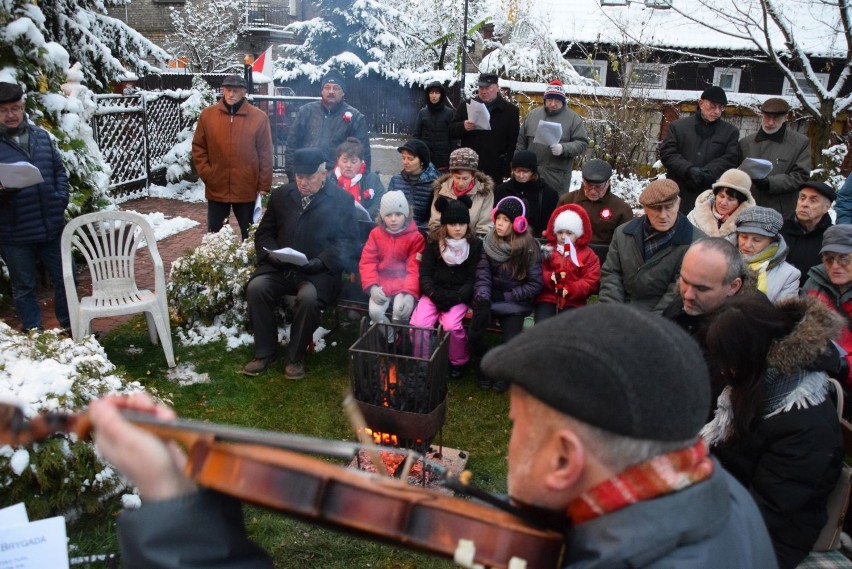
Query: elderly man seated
x=831, y=282
x=644, y=257
x=316, y=218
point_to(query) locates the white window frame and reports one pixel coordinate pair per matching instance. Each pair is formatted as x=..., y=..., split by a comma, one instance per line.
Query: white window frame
x=735, y=83
x=787, y=89
x=662, y=70
x=599, y=65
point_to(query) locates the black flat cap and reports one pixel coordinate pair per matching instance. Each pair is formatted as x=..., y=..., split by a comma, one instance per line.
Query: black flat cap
x=715, y=94
x=234, y=81
x=614, y=367
x=307, y=160
x=821, y=187
x=10, y=92
x=596, y=171
x=486, y=79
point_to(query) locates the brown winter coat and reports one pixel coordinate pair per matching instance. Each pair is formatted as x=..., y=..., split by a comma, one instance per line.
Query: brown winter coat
x=233, y=154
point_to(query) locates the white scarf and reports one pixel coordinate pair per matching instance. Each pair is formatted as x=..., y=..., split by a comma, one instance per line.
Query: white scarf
x=455, y=251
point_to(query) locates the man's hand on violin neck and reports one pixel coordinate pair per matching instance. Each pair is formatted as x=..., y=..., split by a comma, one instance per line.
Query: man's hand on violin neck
x=154, y=467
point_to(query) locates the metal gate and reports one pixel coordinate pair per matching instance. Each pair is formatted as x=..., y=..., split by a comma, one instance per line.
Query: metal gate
x=134, y=133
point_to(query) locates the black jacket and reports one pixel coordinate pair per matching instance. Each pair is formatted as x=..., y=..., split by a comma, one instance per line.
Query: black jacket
x=325, y=230
x=803, y=246
x=318, y=127
x=540, y=200
x=436, y=276
x=791, y=457
x=692, y=141
x=496, y=146
x=433, y=127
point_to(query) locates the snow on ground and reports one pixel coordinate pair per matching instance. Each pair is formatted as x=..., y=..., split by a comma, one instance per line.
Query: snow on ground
x=184, y=191
x=164, y=227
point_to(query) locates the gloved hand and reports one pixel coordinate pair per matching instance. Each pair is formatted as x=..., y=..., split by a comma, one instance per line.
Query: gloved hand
x=403, y=306
x=762, y=184
x=445, y=299
x=377, y=295
x=313, y=267
x=697, y=176
x=557, y=149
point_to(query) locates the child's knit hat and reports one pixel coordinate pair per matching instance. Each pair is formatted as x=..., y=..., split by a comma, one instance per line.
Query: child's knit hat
x=394, y=202
x=568, y=221
x=454, y=211
x=511, y=207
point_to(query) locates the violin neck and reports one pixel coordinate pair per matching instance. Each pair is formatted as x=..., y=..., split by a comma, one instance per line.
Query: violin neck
x=187, y=431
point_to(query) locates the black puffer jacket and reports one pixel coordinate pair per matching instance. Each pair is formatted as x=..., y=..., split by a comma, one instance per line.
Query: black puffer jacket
x=418, y=191
x=791, y=458
x=433, y=127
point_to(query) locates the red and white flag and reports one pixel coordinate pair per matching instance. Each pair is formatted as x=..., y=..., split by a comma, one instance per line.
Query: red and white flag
x=263, y=64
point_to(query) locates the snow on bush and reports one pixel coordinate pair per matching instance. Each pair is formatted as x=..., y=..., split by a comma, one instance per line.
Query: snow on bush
x=207, y=285
x=48, y=372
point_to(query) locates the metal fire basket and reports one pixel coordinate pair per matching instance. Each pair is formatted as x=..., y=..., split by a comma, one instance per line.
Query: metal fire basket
x=401, y=385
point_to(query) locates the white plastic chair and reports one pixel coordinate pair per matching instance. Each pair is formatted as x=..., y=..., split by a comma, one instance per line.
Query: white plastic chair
x=109, y=240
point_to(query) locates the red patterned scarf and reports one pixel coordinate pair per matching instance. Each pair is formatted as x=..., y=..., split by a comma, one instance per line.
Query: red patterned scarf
x=661, y=475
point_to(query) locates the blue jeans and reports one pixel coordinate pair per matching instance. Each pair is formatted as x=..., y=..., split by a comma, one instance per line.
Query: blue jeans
x=21, y=261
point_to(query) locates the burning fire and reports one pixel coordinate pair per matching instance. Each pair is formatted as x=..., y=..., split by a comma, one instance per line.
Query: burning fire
x=389, y=384
x=386, y=439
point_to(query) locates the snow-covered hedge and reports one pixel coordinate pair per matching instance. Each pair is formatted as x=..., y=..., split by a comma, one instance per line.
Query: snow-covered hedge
x=207, y=285
x=48, y=372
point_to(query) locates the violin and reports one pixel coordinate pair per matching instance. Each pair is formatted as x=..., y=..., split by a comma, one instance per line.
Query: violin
x=273, y=470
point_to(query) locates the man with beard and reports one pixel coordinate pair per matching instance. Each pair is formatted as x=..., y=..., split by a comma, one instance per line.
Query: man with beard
x=555, y=162
x=31, y=218
x=789, y=152
x=644, y=257
x=698, y=149
x=495, y=147
x=804, y=229
x=325, y=124
x=232, y=153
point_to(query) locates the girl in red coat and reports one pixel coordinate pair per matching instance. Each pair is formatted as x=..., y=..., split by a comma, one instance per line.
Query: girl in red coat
x=571, y=270
x=390, y=262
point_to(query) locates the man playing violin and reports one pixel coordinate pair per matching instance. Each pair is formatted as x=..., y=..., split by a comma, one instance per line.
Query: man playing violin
x=606, y=405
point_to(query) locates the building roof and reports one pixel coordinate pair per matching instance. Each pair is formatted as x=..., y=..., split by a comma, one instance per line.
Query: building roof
x=816, y=24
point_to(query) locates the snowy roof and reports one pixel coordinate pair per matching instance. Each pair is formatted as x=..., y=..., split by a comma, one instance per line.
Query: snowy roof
x=815, y=24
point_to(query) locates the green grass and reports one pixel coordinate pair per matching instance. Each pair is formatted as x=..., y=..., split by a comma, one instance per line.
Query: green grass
x=477, y=422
